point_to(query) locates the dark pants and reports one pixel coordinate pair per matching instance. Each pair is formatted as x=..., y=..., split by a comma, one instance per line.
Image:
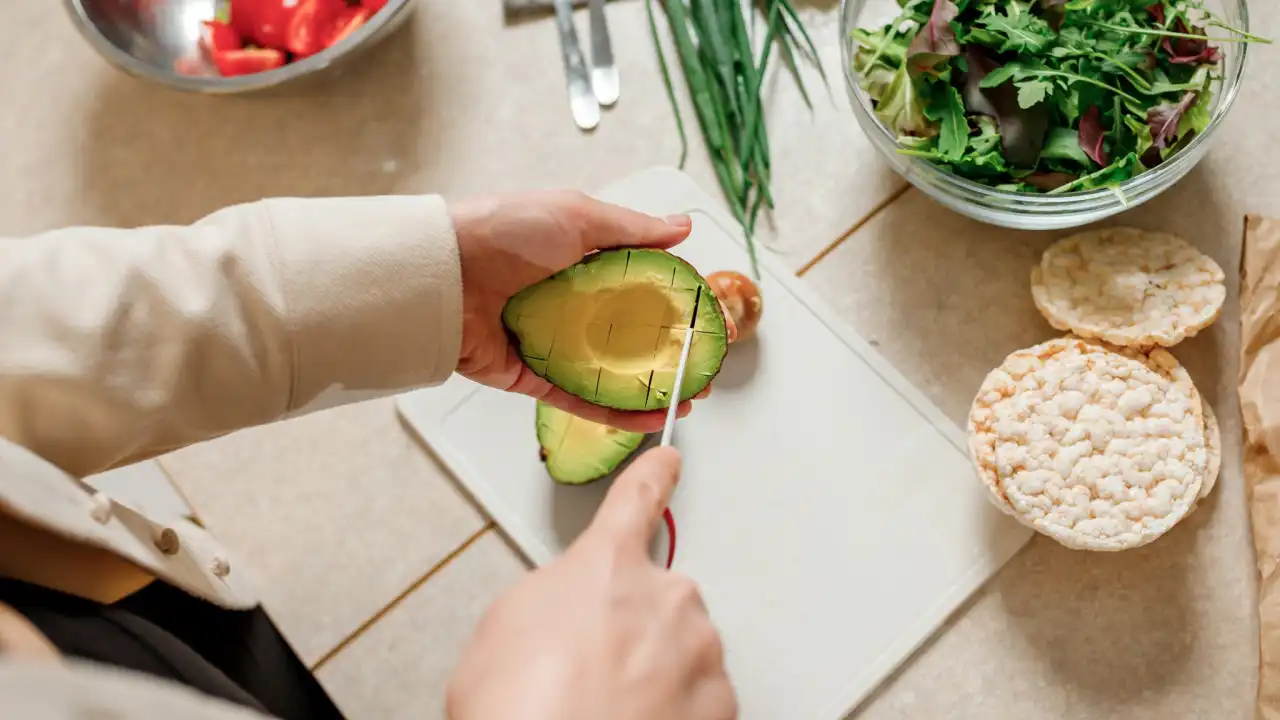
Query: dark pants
x=234, y=655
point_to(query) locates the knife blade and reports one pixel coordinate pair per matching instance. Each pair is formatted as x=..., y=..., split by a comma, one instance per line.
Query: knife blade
x=604, y=73
x=582, y=100
x=672, y=410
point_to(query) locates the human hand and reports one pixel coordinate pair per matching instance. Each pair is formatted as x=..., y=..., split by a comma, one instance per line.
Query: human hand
x=601, y=633
x=509, y=243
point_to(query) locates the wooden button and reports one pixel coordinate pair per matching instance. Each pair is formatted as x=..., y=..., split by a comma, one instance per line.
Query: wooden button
x=101, y=511
x=167, y=541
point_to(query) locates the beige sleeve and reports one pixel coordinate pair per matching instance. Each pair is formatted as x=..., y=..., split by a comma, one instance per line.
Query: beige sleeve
x=116, y=345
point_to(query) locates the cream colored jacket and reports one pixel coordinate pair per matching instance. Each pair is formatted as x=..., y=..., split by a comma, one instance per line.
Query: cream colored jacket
x=119, y=345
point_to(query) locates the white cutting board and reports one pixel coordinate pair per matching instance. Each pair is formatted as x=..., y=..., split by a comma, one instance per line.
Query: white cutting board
x=829, y=512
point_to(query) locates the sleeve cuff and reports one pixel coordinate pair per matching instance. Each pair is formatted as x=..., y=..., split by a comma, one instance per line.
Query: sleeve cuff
x=372, y=293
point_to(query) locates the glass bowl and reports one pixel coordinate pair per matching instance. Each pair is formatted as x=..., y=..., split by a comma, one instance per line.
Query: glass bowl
x=1031, y=211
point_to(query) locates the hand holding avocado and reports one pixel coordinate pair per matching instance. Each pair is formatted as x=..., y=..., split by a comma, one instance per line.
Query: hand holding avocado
x=507, y=245
x=601, y=631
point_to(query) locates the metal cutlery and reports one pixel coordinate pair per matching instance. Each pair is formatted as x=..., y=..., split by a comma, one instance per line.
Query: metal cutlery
x=604, y=73
x=669, y=429
x=582, y=99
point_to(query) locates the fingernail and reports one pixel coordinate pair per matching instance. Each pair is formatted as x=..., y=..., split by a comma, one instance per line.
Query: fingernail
x=680, y=221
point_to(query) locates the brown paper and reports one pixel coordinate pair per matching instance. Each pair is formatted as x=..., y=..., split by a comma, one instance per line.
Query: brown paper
x=1260, y=409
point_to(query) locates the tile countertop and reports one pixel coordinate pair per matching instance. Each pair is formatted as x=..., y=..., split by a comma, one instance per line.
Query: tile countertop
x=1168, y=631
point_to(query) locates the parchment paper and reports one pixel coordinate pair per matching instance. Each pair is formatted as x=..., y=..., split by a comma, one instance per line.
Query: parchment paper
x=1260, y=408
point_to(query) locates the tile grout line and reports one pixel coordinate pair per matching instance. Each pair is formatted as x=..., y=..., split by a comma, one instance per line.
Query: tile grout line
x=824, y=252
x=395, y=602
x=173, y=483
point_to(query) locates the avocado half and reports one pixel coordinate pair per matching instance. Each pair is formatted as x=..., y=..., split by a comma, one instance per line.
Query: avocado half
x=610, y=329
x=578, y=451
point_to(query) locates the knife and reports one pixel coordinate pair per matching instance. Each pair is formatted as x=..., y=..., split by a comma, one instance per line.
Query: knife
x=582, y=100
x=669, y=429
x=604, y=73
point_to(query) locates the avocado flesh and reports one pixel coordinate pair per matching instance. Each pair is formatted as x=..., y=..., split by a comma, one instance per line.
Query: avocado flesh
x=610, y=329
x=578, y=451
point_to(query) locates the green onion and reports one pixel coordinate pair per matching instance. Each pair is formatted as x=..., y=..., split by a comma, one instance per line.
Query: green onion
x=724, y=79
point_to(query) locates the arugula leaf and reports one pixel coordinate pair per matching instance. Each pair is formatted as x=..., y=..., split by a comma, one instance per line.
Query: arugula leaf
x=1032, y=92
x=1063, y=143
x=954, y=136
x=1090, y=136
x=1162, y=85
x=1005, y=73
x=988, y=137
x=935, y=42
x=1021, y=31
x=1165, y=118
x=1113, y=174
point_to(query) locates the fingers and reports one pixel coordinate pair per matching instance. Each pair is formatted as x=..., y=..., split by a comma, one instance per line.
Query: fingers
x=603, y=225
x=646, y=421
x=729, y=324
x=642, y=421
x=633, y=508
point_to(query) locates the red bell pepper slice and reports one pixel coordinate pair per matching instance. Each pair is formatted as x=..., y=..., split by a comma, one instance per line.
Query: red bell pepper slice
x=373, y=6
x=309, y=25
x=347, y=23
x=264, y=22
x=247, y=62
x=670, y=522
x=219, y=37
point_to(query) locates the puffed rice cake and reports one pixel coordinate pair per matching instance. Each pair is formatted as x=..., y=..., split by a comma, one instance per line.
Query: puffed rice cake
x=1098, y=449
x=1128, y=287
x=1213, y=450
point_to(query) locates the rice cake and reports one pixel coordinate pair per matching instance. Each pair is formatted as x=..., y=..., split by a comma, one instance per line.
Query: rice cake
x=1098, y=449
x=1128, y=287
x=1213, y=451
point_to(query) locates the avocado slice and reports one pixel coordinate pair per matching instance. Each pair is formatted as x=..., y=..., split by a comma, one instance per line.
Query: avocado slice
x=578, y=451
x=610, y=329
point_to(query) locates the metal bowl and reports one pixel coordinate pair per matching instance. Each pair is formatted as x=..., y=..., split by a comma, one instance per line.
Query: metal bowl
x=149, y=38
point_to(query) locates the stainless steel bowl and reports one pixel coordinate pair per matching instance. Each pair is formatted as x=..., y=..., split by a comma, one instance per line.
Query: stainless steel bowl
x=145, y=38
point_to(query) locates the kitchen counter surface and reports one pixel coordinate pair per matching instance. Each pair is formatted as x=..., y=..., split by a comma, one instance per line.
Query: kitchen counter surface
x=460, y=102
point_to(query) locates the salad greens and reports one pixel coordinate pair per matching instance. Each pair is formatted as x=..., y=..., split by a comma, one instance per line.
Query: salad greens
x=1044, y=95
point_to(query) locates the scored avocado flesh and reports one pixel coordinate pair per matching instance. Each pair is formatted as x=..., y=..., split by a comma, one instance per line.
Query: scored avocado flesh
x=578, y=451
x=610, y=329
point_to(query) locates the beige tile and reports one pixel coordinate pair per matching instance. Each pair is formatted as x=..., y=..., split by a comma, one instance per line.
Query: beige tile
x=399, y=668
x=457, y=103
x=335, y=513
x=1167, y=631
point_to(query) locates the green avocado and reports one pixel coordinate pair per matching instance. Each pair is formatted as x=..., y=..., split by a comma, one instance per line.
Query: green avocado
x=578, y=451
x=610, y=329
